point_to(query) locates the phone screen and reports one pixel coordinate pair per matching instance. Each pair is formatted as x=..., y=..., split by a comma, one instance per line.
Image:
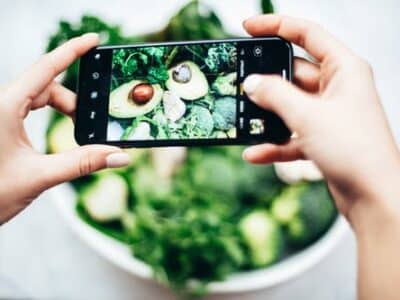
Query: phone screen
x=174, y=92
x=185, y=93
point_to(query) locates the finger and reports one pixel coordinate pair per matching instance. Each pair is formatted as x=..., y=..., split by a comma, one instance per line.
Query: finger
x=43, y=72
x=308, y=35
x=63, y=100
x=58, y=97
x=269, y=153
x=306, y=75
x=280, y=96
x=80, y=162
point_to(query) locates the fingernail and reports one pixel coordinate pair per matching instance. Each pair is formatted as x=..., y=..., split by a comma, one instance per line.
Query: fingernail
x=92, y=35
x=118, y=160
x=245, y=154
x=251, y=83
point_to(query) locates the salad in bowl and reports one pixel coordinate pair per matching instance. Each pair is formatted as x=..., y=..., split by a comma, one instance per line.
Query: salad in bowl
x=195, y=218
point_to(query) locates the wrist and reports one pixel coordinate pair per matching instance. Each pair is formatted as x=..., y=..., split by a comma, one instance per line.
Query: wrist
x=377, y=209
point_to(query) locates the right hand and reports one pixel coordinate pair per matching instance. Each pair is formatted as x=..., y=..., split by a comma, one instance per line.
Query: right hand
x=335, y=110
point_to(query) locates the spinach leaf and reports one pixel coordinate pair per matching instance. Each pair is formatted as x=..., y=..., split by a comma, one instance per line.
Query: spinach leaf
x=267, y=7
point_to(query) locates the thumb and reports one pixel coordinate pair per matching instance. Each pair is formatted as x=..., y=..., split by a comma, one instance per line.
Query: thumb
x=82, y=161
x=280, y=96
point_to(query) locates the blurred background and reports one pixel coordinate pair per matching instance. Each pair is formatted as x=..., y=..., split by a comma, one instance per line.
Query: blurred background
x=41, y=258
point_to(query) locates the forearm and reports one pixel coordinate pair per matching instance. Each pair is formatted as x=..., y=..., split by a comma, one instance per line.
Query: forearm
x=379, y=267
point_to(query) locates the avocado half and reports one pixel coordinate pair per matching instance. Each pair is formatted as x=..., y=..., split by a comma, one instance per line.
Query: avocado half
x=61, y=136
x=123, y=107
x=193, y=86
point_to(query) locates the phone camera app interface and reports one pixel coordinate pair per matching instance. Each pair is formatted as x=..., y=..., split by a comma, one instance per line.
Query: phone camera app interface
x=174, y=92
x=258, y=51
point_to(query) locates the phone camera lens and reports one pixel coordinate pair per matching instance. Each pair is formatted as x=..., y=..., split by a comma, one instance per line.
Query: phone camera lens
x=95, y=75
x=97, y=56
x=258, y=51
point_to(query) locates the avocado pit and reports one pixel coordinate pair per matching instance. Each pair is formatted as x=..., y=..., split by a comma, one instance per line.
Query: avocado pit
x=141, y=93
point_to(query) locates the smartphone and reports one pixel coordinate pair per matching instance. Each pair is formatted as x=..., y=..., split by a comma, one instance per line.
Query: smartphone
x=179, y=93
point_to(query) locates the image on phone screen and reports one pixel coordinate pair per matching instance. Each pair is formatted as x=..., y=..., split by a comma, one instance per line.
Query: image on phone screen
x=179, y=93
x=173, y=92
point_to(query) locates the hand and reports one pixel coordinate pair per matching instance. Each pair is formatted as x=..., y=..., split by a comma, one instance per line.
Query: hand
x=25, y=173
x=335, y=110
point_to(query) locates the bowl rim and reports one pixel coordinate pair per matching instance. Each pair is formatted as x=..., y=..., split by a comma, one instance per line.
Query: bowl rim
x=64, y=198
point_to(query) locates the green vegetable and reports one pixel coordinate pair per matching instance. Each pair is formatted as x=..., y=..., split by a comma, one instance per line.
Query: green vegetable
x=306, y=210
x=112, y=229
x=147, y=64
x=225, y=85
x=259, y=183
x=199, y=122
x=106, y=199
x=263, y=236
x=187, y=81
x=222, y=56
x=194, y=21
x=61, y=136
x=216, y=175
x=220, y=135
x=122, y=106
x=109, y=34
x=148, y=186
x=195, y=227
x=224, y=113
x=267, y=7
x=196, y=243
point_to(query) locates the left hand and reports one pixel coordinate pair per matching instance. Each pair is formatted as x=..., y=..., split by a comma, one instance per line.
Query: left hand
x=24, y=172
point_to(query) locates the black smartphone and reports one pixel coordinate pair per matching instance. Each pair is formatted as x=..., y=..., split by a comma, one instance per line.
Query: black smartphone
x=179, y=93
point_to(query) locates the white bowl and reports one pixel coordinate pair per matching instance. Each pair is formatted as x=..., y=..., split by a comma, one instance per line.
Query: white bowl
x=120, y=255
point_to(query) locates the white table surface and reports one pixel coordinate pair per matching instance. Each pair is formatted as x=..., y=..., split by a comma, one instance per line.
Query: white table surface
x=41, y=258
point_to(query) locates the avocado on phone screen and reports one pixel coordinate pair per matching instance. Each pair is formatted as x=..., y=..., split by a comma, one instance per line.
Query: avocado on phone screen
x=186, y=93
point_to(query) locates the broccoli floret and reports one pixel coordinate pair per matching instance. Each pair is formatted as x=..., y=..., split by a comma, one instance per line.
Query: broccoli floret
x=61, y=136
x=225, y=85
x=306, y=210
x=257, y=182
x=147, y=185
x=200, y=122
x=106, y=199
x=224, y=113
x=221, y=57
x=215, y=174
x=263, y=236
